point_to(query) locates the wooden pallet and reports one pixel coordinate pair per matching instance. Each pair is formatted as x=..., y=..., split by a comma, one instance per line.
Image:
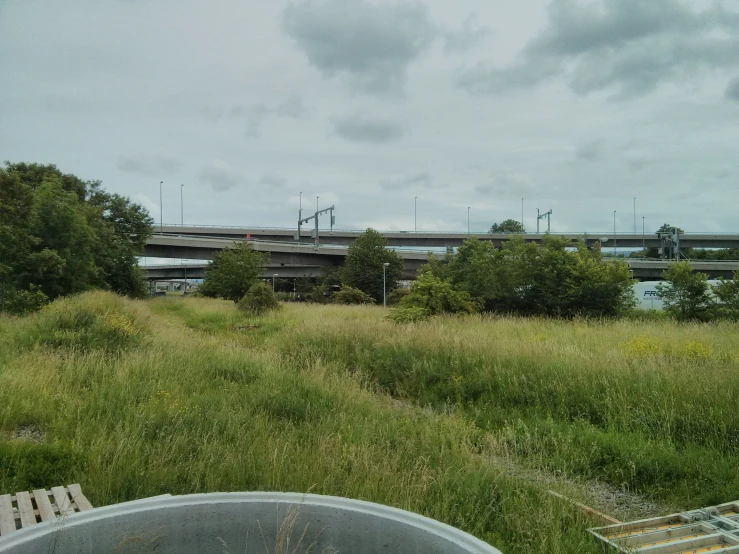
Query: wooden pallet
x=25, y=509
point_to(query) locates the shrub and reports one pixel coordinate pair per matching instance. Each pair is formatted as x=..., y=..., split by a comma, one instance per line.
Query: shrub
x=350, y=295
x=89, y=321
x=396, y=296
x=22, y=302
x=686, y=293
x=437, y=296
x=411, y=314
x=727, y=294
x=259, y=300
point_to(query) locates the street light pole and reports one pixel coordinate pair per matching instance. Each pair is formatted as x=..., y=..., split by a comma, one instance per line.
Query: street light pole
x=634, y=215
x=415, y=214
x=182, y=206
x=468, y=220
x=522, y=215
x=384, y=285
x=161, y=209
x=643, y=243
x=614, y=233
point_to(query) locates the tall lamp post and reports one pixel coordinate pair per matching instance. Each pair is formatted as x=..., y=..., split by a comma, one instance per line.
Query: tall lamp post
x=614, y=233
x=521, y=214
x=161, y=209
x=182, y=206
x=635, y=215
x=415, y=214
x=468, y=220
x=643, y=241
x=384, y=285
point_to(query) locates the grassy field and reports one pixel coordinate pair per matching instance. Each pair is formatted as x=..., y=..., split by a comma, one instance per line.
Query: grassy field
x=470, y=421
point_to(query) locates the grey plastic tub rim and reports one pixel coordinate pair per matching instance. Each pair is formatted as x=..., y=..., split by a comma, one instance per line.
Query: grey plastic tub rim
x=457, y=537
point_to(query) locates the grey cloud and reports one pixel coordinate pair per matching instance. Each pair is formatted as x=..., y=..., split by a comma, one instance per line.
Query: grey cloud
x=589, y=151
x=466, y=38
x=220, y=176
x=369, y=44
x=508, y=183
x=417, y=180
x=732, y=90
x=358, y=128
x=255, y=114
x=272, y=180
x=627, y=46
x=148, y=164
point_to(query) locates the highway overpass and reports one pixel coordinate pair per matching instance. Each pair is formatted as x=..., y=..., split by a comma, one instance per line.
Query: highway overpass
x=287, y=259
x=296, y=260
x=441, y=240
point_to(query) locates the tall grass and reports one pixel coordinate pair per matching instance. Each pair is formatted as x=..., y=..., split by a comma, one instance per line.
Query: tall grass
x=466, y=420
x=195, y=403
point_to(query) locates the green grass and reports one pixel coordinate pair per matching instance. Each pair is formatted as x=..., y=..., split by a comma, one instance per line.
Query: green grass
x=466, y=420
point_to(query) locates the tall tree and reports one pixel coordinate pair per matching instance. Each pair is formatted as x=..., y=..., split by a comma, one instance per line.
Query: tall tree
x=233, y=272
x=363, y=269
x=60, y=234
x=508, y=226
x=685, y=293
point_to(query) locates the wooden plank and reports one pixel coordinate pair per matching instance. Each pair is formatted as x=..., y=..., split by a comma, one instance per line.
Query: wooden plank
x=7, y=520
x=25, y=507
x=64, y=506
x=75, y=491
x=588, y=509
x=45, y=510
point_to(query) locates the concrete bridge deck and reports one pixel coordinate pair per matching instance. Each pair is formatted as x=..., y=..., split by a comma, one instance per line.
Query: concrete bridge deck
x=443, y=239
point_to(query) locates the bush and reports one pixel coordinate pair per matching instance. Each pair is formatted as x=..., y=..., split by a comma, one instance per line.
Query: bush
x=259, y=300
x=89, y=321
x=727, y=295
x=411, y=314
x=350, y=295
x=437, y=296
x=394, y=298
x=25, y=301
x=685, y=293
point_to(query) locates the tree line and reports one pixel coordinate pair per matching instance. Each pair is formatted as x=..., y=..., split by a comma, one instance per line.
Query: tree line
x=61, y=235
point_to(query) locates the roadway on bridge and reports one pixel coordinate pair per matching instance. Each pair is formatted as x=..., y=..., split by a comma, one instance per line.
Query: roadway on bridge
x=442, y=239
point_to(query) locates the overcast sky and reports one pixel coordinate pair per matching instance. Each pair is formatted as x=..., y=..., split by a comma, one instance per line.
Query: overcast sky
x=575, y=105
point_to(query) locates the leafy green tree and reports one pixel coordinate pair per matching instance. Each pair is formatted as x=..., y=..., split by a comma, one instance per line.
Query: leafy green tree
x=596, y=288
x=541, y=279
x=685, y=293
x=437, y=296
x=665, y=228
x=364, y=263
x=233, y=272
x=727, y=295
x=259, y=300
x=508, y=226
x=62, y=235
